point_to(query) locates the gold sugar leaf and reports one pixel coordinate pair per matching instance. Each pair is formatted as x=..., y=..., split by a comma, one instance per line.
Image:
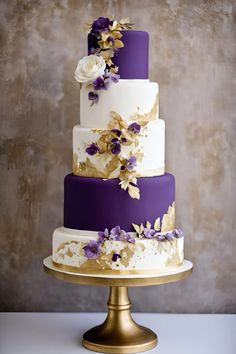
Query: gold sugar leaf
x=136, y=228
x=157, y=224
x=134, y=191
x=148, y=225
x=168, y=219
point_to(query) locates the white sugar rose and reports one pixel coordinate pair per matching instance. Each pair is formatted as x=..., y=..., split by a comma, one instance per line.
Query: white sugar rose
x=90, y=68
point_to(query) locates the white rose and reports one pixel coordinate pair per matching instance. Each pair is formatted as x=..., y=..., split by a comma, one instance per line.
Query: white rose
x=90, y=68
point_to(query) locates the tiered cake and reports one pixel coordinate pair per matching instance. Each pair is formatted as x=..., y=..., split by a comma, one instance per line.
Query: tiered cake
x=119, y=204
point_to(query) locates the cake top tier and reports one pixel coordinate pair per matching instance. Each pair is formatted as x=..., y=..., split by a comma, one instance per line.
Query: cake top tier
x=132, y=58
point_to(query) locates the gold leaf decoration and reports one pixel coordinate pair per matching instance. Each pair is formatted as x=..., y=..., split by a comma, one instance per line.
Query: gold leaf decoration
x=111, y=165
x=146, y=117
x=168, y=219
x=157, y=224
x=134, y=191
x=86, y=168
x=148, y=225
x=137, y=228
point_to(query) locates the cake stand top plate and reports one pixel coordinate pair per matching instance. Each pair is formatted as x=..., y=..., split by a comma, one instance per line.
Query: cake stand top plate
x=179, y=273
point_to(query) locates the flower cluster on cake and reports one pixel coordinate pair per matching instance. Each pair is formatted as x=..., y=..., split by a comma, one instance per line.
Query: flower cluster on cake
x=119, y=204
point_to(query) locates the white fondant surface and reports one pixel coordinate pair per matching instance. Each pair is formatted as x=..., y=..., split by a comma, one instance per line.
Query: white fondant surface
x=152, y=144
x=145, y=254
x=125, y=97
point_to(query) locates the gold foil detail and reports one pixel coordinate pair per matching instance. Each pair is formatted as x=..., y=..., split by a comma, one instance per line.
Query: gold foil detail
x=147, y=117
x=126, y=254
x=168, y=219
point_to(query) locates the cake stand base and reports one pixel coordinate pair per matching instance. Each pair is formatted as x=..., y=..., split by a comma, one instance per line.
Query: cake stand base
x=119, y=333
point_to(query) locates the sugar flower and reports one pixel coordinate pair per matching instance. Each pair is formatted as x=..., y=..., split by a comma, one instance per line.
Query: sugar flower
x=100, y=83
x=92, y=96
x=92, y=149
x=134, y=128
x=103, y=236
x=117, y=234
x=115, y=146
x=90, y=68
x=131, y=162
x=149, y=233
x=92, y=250
x=115, y=256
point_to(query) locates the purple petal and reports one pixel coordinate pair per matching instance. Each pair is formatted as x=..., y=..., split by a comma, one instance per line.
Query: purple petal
x=115, y=257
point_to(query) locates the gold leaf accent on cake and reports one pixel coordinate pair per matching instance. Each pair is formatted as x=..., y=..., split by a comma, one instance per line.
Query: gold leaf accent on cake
x=134, y=191
x=157, y=224
x=111, y=165
x=146, y=117
x=126, y=254
x=86, y=168
x=168, y=219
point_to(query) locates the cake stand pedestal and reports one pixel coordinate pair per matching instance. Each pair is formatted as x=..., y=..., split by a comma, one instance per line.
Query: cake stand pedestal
x=119, y=333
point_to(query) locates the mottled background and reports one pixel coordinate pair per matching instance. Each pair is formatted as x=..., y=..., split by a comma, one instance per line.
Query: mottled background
x=192, y=56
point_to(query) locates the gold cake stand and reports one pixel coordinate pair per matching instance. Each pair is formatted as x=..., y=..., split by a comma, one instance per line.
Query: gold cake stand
x=119, y=333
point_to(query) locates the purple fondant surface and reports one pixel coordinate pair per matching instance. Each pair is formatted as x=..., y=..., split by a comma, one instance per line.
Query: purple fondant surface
x=94, y=204
x=132, y=59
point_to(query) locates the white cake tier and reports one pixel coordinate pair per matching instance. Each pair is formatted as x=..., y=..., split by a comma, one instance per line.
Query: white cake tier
x=126, y=97
x=145, y=255
x=150, y=144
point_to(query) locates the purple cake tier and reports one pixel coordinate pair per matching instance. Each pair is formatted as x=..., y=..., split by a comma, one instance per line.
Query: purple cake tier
x=94, y=204
x=132, y=59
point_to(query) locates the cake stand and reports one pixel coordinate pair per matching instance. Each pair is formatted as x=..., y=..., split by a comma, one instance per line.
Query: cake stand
x=119, y=333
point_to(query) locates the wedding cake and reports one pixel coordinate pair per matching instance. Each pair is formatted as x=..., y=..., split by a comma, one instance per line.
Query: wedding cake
x=119, y=203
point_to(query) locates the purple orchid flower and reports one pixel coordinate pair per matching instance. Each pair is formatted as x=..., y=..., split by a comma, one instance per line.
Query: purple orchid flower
x=100, y=84
x=177, y=233
x=134, y=128
x=92, y=96
x=115, y=257
x=131, y=163
x=103, y=236
x=117, y=132
x=101, y=24
x=129, y=238
x=115, y=146
x=160, y=237
x=117, y=234
x=92, y=250
x=112, y=77
x=149, y=233
x=169, y=236
x=92, y=149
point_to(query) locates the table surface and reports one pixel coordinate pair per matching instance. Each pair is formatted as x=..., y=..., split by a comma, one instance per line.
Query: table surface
x=60, y=333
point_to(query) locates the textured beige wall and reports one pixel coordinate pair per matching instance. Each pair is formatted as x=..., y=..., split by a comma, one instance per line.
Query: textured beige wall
x=192, y=56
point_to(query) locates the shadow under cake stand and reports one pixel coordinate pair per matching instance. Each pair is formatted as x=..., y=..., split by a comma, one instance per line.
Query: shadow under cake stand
x=119, y=333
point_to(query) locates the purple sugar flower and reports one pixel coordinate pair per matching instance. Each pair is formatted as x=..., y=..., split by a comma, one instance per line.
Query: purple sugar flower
x=129, y=238
x=169, y=236
x=92, y=96
x=101, y=24
x=134, y=128
x=117, y=234
x=160, y=237
x=115, y=257
x=92, y=250
x=103, y=236
x=131, y=162
x=112, y=77
x=122, y=167
x=149, y=233
x=100, y=84
x=111, y=39
x=177, y=233
x=115, y=146
x=92, y=149
x=123, y=140
x=117, y=132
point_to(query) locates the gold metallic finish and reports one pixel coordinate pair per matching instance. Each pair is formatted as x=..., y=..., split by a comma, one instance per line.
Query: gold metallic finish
x=119, y=333
x=100, y=271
